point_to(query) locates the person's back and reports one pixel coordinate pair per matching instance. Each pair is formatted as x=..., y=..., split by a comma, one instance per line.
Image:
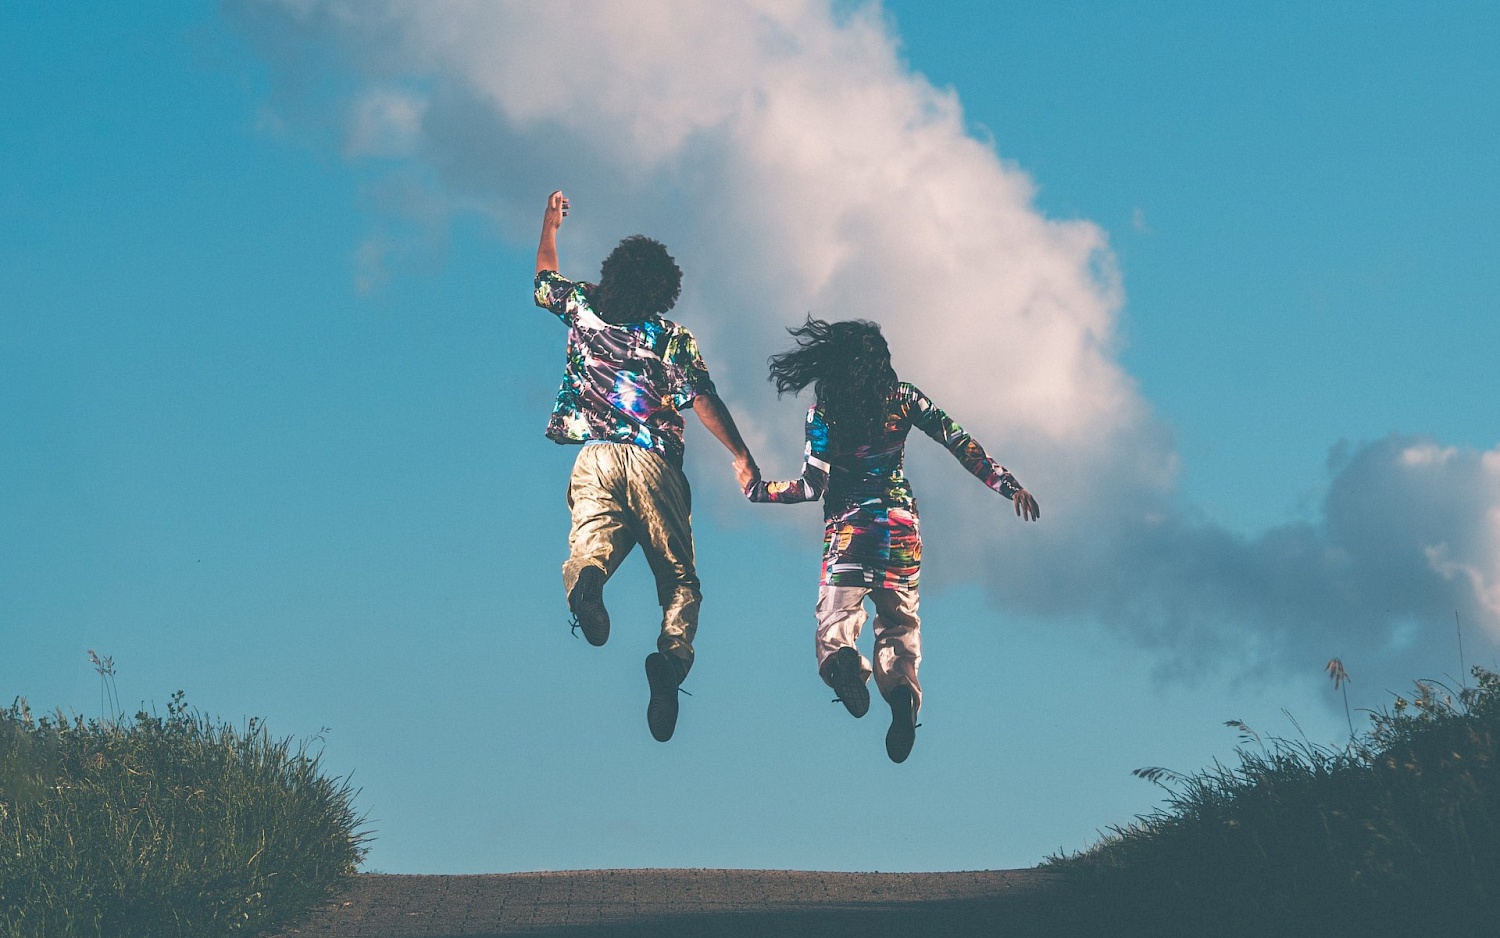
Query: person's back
x=623, y=382
x=628, y=374
x=872, y=542
x=864, y=471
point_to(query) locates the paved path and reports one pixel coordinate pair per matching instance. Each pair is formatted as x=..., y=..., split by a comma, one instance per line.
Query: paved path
x=697, y=903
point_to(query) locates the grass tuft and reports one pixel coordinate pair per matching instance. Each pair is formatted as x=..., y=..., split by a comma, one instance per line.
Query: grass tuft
x=175, y=826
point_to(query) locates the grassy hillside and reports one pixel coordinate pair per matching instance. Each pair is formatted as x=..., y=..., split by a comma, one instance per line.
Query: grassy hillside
x=1396, y=833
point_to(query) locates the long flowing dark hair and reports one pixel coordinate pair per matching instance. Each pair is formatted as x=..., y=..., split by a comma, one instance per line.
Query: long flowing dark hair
x=849, y=366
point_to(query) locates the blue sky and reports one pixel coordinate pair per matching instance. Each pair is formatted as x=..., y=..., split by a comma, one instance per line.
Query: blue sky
x=274, y=396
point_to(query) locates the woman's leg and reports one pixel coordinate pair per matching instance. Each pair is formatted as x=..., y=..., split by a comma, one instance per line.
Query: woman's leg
x=898, y=642
x=898, y=655
x=841, y=615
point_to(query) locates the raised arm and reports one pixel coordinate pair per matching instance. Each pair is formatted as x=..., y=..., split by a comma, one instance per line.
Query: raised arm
x=720, y=423
x=814, y=481
x=546, y=249
x=931, y=420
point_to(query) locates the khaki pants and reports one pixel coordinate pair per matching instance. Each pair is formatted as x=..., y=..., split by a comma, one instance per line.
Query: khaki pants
x=621, y=495
x=898, y=634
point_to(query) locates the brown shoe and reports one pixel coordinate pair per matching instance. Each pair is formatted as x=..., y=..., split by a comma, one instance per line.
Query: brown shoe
x=586, y=601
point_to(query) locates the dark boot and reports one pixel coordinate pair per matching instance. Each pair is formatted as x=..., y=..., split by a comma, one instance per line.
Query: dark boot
x=664, y=673
x=848, y=682
x=903, y=732
x=586, y=601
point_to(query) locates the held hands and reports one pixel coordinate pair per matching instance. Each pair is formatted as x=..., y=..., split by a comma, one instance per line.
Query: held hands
x=1026, y=506
x=746, y=472
x=557, y=210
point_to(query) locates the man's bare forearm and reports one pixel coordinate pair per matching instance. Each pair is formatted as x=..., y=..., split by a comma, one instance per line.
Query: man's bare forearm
x=546, y=249
x=720, y=423
x=546, y=252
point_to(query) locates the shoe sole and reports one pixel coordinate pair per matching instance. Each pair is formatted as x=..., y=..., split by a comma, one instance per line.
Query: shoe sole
x=586, y=602
x=661, y=712
x=903, y=732
x=848, y=683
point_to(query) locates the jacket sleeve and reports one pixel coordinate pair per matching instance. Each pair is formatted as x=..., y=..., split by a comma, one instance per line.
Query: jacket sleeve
x=931, y=420
x=553, y=291
x=814, y=481
x=687, y=375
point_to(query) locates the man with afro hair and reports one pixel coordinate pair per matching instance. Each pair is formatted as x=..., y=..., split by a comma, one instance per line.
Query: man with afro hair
x=628, y=375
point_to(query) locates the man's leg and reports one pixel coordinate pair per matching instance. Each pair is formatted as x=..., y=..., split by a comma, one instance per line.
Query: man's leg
x=600, y=537
x=660, y=503
x=841, y=615
x=898, y=655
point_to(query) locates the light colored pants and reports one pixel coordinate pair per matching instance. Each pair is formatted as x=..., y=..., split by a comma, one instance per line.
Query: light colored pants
x=621, y=495
x=898, y=634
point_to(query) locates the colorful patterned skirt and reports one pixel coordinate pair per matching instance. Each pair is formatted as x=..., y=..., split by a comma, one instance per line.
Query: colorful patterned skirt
x=877, y=548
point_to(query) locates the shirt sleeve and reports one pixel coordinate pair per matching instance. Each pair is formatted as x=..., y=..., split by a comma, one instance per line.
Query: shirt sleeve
x=931, y=420
x=687, y=375
x=814, y=481
x=554, y=292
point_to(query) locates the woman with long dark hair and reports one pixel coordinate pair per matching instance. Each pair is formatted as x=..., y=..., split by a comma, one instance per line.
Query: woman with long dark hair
x=872, y=546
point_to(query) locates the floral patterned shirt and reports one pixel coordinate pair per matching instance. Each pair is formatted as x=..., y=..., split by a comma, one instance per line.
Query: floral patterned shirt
x=621, y=383
x=873, y=537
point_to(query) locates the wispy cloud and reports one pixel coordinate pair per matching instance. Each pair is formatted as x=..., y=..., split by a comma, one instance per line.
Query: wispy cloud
x=795, y=164
x=384, y=122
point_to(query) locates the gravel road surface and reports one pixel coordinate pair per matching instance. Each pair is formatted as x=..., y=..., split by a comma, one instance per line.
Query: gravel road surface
x=697, y=903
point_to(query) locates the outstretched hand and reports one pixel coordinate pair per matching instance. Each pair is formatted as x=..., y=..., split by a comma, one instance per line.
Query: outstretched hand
x=1026, y=506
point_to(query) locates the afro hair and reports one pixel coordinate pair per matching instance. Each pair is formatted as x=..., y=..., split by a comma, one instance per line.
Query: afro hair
x=639, y=280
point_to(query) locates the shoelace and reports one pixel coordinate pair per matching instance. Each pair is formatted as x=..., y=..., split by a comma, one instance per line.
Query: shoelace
x=837, y=700
x=841, y=700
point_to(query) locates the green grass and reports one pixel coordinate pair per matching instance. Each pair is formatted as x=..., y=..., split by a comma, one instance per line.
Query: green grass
x=175, y=826
x=1397, y=832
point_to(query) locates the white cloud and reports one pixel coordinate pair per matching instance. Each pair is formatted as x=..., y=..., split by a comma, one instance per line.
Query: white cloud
x=794, y=164
x=384, y=122
x=1399, y=547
